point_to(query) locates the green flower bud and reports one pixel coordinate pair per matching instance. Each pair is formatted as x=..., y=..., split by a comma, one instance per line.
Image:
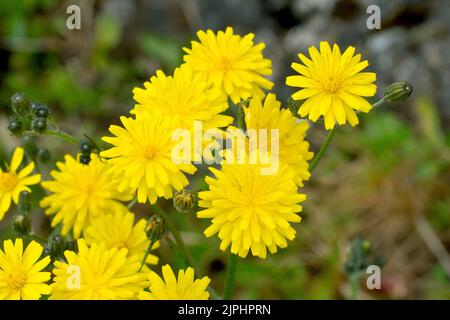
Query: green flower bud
x=20, y=104
x=15, y=126
x=85, y=158
x=85, y=146
x=58, y=246
x=39, y=124
x=46, y=252
x=185, y=201
x=366, y=246
x=24, y=205
x=156, y=228
x=398, y=91
x=71, y=246
x=22, y=224
x=40, y=110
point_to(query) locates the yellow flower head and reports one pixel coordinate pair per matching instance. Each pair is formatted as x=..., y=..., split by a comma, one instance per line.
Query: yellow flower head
x=185, y=97
x=117, y=230
x=142, y=156
x=12, y=183
x=21, y=275
x=333, y=85
x=233, y=63
x=97, y=273
x=292, y=147
x=171, y=288
x=249, y=210
x=81, y=192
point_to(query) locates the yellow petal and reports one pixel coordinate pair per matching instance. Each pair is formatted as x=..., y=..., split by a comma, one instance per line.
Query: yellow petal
x=16, y=159
x=338, y=110
x=305, y=93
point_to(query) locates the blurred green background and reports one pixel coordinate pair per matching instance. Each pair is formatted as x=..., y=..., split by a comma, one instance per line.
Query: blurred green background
x=386, y=180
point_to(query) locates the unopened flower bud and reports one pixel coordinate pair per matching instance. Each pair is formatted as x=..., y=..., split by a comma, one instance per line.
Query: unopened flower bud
x=40, y=110
x=58, y=246
x=71, y=246
x=85, y=146
x=20, y=104
x=366, y=245
x=39, y=124
x=85, y=158
x=185, y=201
x=398, y=91
x=22, y=224
x=155, y=228
x=15, y=126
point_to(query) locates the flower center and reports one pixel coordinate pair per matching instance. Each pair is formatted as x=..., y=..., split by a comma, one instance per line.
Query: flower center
x=88, y=189
x=331, y=84
x=149, y=153
x=224, y=64
x=17, y=280
x=8, y=181
x=120, y=244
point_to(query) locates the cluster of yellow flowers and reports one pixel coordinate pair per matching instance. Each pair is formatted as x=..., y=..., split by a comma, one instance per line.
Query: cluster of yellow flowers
x=251, y=212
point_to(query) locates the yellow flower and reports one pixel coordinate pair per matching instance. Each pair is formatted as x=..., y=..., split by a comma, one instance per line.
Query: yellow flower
x=185, y=97
x=171, y=288
x=81, y=192
x=142, y=157
x=233, y=63
x=20, y=271
x=97, y=273
x=118, y=230
x=292, y=147
x=12, y=183
x=333, y=85
x=249, y=210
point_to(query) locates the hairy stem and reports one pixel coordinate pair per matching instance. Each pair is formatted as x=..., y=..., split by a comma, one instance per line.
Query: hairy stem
x=63, y=135
x=232, y=258
x=229, y=279
x=329, y=138
x=56, y=133
x=147, y=253
x=132, y=203
x=354, y=283
x=322, y=150
x=176, y=235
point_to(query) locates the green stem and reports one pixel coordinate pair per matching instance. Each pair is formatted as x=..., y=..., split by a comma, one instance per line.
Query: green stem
x=322, y=150
x=229, y=278
x=176, y=235
x=240, y=116
x=56, y=133
x=61, y=134
x=173, y=246
x=179, y=243
x=329, y=138
x=33, y=236
x=132, y=203
x=232, y=258
x=379, y=102
x=354, y=282
x=147, y=253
